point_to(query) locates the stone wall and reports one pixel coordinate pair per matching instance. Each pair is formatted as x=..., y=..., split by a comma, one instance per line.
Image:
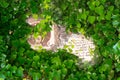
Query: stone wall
x=77, y=44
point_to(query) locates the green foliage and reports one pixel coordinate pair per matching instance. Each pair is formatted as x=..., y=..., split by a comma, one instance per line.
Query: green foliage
x=99, y=19
x=91, y=19
x=4, y=4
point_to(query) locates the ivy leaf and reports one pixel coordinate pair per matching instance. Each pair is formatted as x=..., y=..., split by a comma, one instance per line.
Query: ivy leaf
x=69, y=63
x=2, y=65
x=108, y=64
x=64, y=6
x=35, y=16
x=21, y=51
x=99, y=10
x=103, y=1
x=13, y=69
x=8, y=66
x=20, y=72
x=34, y=6
x=117, y=67
x=4, y=18
x=2, y=76
x=78, y=25
x=81, y=30
x=36, y=58
x=119, y=35
x=66, y=46
x=4, y=4
x=64, y=71
x=91, y=5
x=56, y=60
x=97, y=3
x=115, y=23
x=111, y=75
x=36, y=76
x=111, y=8
x=91, y=19
x=101, y=17
x=84, y=15
x=102, y=77
x=105, y=53
x=103, y=68
x=118, y=78
x=57, y=75
x=16, y=43
x=2, y=79
x=108, y=16
x=116, y=47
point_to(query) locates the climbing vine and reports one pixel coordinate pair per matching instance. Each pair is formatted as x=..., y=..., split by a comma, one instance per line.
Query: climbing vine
x=98, y=19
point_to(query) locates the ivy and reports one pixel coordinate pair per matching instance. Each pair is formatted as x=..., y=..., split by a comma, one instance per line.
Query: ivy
x=98, y=19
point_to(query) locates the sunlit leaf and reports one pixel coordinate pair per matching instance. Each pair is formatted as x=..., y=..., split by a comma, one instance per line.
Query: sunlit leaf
x=20, y=72
x=84, y=15
x=111, y=8
x=91, y=19
x=115, y=23
x=116, y=47
x=97, y=3
x=118, y=78
x=103, y=1
x=108, y=16
x=13, y=69
x=99, y=10
x=56, y=60
x=35, y=16
x=36, y=58
x=36, y=76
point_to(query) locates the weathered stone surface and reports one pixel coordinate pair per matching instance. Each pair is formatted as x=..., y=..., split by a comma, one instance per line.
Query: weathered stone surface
x=58, y=38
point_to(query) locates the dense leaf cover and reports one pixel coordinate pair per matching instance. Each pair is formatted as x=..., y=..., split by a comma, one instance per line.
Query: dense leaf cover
x=99, y=19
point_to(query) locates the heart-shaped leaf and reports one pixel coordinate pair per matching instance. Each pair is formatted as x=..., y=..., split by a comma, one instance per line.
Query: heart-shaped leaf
x=36, y=76
x=36, y=58
x=20, y=72
x=99, y=10
x=91, y=19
